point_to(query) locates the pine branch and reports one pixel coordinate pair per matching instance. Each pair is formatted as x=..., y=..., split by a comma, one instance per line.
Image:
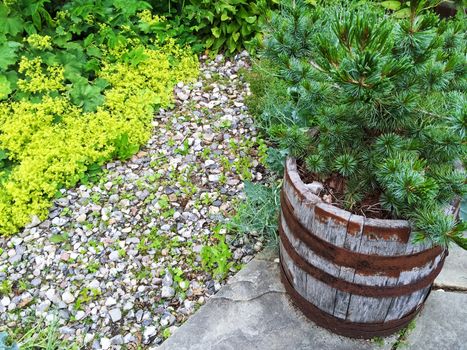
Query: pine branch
x=387, y=96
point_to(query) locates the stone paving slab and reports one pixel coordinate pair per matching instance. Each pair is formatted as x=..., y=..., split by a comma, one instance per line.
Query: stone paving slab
x=252, y=312
x=442, y=324
x=454, y=273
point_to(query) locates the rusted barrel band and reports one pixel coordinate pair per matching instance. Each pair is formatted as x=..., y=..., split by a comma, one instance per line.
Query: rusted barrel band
x=354, y=288
x=363, y=263
x=343, y=327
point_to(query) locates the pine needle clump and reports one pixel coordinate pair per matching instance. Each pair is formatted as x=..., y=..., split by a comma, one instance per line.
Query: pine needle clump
x=382, y=106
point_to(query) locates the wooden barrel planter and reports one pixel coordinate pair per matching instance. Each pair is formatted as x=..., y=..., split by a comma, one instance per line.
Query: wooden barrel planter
x=356, y=276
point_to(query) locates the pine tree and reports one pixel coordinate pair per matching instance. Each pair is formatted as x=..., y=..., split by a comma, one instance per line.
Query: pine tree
x=385, y=98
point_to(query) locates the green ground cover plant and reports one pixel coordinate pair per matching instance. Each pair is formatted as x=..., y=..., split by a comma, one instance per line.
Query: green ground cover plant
x=216, y=258
x=36, y=336
x=259, y=212
x=79, y=82
x=375, y=107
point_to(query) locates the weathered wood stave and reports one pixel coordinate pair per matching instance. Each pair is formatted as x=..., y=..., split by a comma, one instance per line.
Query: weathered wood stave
x=360, y=277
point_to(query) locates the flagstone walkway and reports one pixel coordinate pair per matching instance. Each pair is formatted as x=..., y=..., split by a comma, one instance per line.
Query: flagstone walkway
x=253, y=312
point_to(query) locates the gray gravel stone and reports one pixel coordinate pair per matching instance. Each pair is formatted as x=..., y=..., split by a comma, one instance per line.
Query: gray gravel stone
x=34, y=222
x=115, y=315
x=149, y=332
x=114, y=256
x=113, y=198
x=58, y=221
x=81, y=218
x=167, y=292
x=5, y=301
x=105, y=343
x=117, y=340
x=50, y=294
x=80, y=315
x=110, y=301
x=44, y=306
x=129, y=338
x=67, y=297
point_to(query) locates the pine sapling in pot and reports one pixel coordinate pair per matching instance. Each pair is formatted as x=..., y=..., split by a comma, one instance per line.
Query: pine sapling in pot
x=376, y=149
x=386, y=129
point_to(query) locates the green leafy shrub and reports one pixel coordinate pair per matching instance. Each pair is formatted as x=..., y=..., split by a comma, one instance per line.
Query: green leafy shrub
x=225, y=25
x=229, y=24
x=402, y=8
x=384, y=115
x=80, y=89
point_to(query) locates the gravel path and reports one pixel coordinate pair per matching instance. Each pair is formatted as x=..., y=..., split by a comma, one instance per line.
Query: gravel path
x=117, y=264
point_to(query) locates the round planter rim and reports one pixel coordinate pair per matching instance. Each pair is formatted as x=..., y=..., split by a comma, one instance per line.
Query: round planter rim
x=297, y=182
x=292, y=172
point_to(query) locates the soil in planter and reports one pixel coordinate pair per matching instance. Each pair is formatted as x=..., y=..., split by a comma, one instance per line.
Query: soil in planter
x=333, y=193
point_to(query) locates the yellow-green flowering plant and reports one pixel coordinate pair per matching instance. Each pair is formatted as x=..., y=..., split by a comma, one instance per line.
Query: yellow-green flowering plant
x=79, y=90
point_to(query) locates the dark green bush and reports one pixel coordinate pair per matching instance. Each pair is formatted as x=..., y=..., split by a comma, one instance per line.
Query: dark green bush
x=230, y=24
x=226, y=25
x=220, y=25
